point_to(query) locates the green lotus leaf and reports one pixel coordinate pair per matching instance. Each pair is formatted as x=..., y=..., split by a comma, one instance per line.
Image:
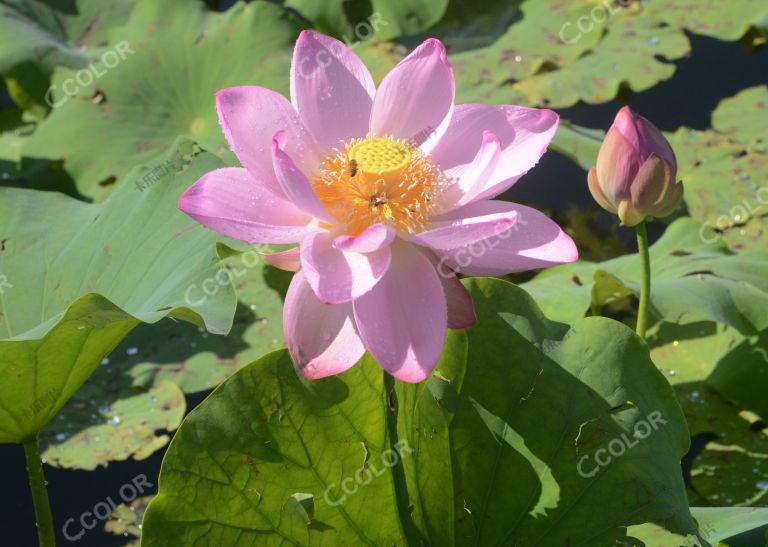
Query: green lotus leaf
x=563, y=51
x=386, y=19
x=198, y=361
x=581, y=144
x=732, y=467
x=727, y=21
x=723, y=187
x=51, y=34
x=93, y=430
x=743, y=117
x=715, y=525
x=76, y=278
x=694, y=278
x=166, y=88
x=37, y=36
x=629, y=54
x=272, y=458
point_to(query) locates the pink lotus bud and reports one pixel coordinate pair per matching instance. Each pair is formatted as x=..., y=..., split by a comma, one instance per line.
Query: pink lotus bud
x=635, y=172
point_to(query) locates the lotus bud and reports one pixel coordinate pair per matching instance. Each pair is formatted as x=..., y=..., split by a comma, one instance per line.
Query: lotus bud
x=635, y=172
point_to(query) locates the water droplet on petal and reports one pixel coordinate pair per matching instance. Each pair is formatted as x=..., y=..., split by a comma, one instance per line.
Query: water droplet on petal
x=132, y=350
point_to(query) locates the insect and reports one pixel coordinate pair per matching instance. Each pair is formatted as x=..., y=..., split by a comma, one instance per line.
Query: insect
x=352, y=168
x=378, y=200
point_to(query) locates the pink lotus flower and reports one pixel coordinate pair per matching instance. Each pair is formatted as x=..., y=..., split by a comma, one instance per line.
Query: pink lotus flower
x=636, y=171
x=379, y=188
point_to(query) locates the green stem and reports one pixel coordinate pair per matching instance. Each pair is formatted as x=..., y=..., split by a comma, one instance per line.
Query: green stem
x=413, y=537
x=645, y=285
x=39, y=493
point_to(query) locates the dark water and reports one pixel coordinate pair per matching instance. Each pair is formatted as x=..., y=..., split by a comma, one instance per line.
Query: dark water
x=714, y=71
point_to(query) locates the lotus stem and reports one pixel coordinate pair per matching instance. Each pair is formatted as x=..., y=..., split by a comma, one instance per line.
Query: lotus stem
x=39, y=489
x=645, y=283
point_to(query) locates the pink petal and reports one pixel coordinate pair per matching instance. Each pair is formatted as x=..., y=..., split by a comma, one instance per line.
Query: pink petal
x=478, y=173
x=534, y=242
x=249, y=117
x=403, y=320
x=331, y=89
x=524, y=134
x=373, y=238
x=476, y=176
x=321, y=338
x=415, y=100
x=285, y=260
x=455, y=232
x=293, y=183
x=339, y=276
x=461, y=312
x=617, y=166
x=230, y=201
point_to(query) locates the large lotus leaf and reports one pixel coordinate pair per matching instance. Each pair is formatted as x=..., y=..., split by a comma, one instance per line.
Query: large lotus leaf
x=734, y=364
x=720, y=378
x=197, y=361
x=121, y=411
x=184, y=54
x=76, y=278
x=726, y=21
x=386, y=18
x=694, y=278
x=51, y=34
x=487, y=450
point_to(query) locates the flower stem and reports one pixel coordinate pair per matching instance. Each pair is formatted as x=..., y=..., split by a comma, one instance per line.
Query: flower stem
x=39, y=493
x=645, y=285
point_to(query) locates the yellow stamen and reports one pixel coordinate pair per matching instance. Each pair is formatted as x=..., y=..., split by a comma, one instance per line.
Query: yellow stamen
x=379, y=179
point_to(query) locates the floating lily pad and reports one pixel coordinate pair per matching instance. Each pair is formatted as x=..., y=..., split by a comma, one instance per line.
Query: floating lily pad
x=723, y=186
x=733, y=467
x=743, y=117
x=126, y=520
x=727, y=21
x=165, y=89
x=94, y=430
x=77, y=283
x=273, y=458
